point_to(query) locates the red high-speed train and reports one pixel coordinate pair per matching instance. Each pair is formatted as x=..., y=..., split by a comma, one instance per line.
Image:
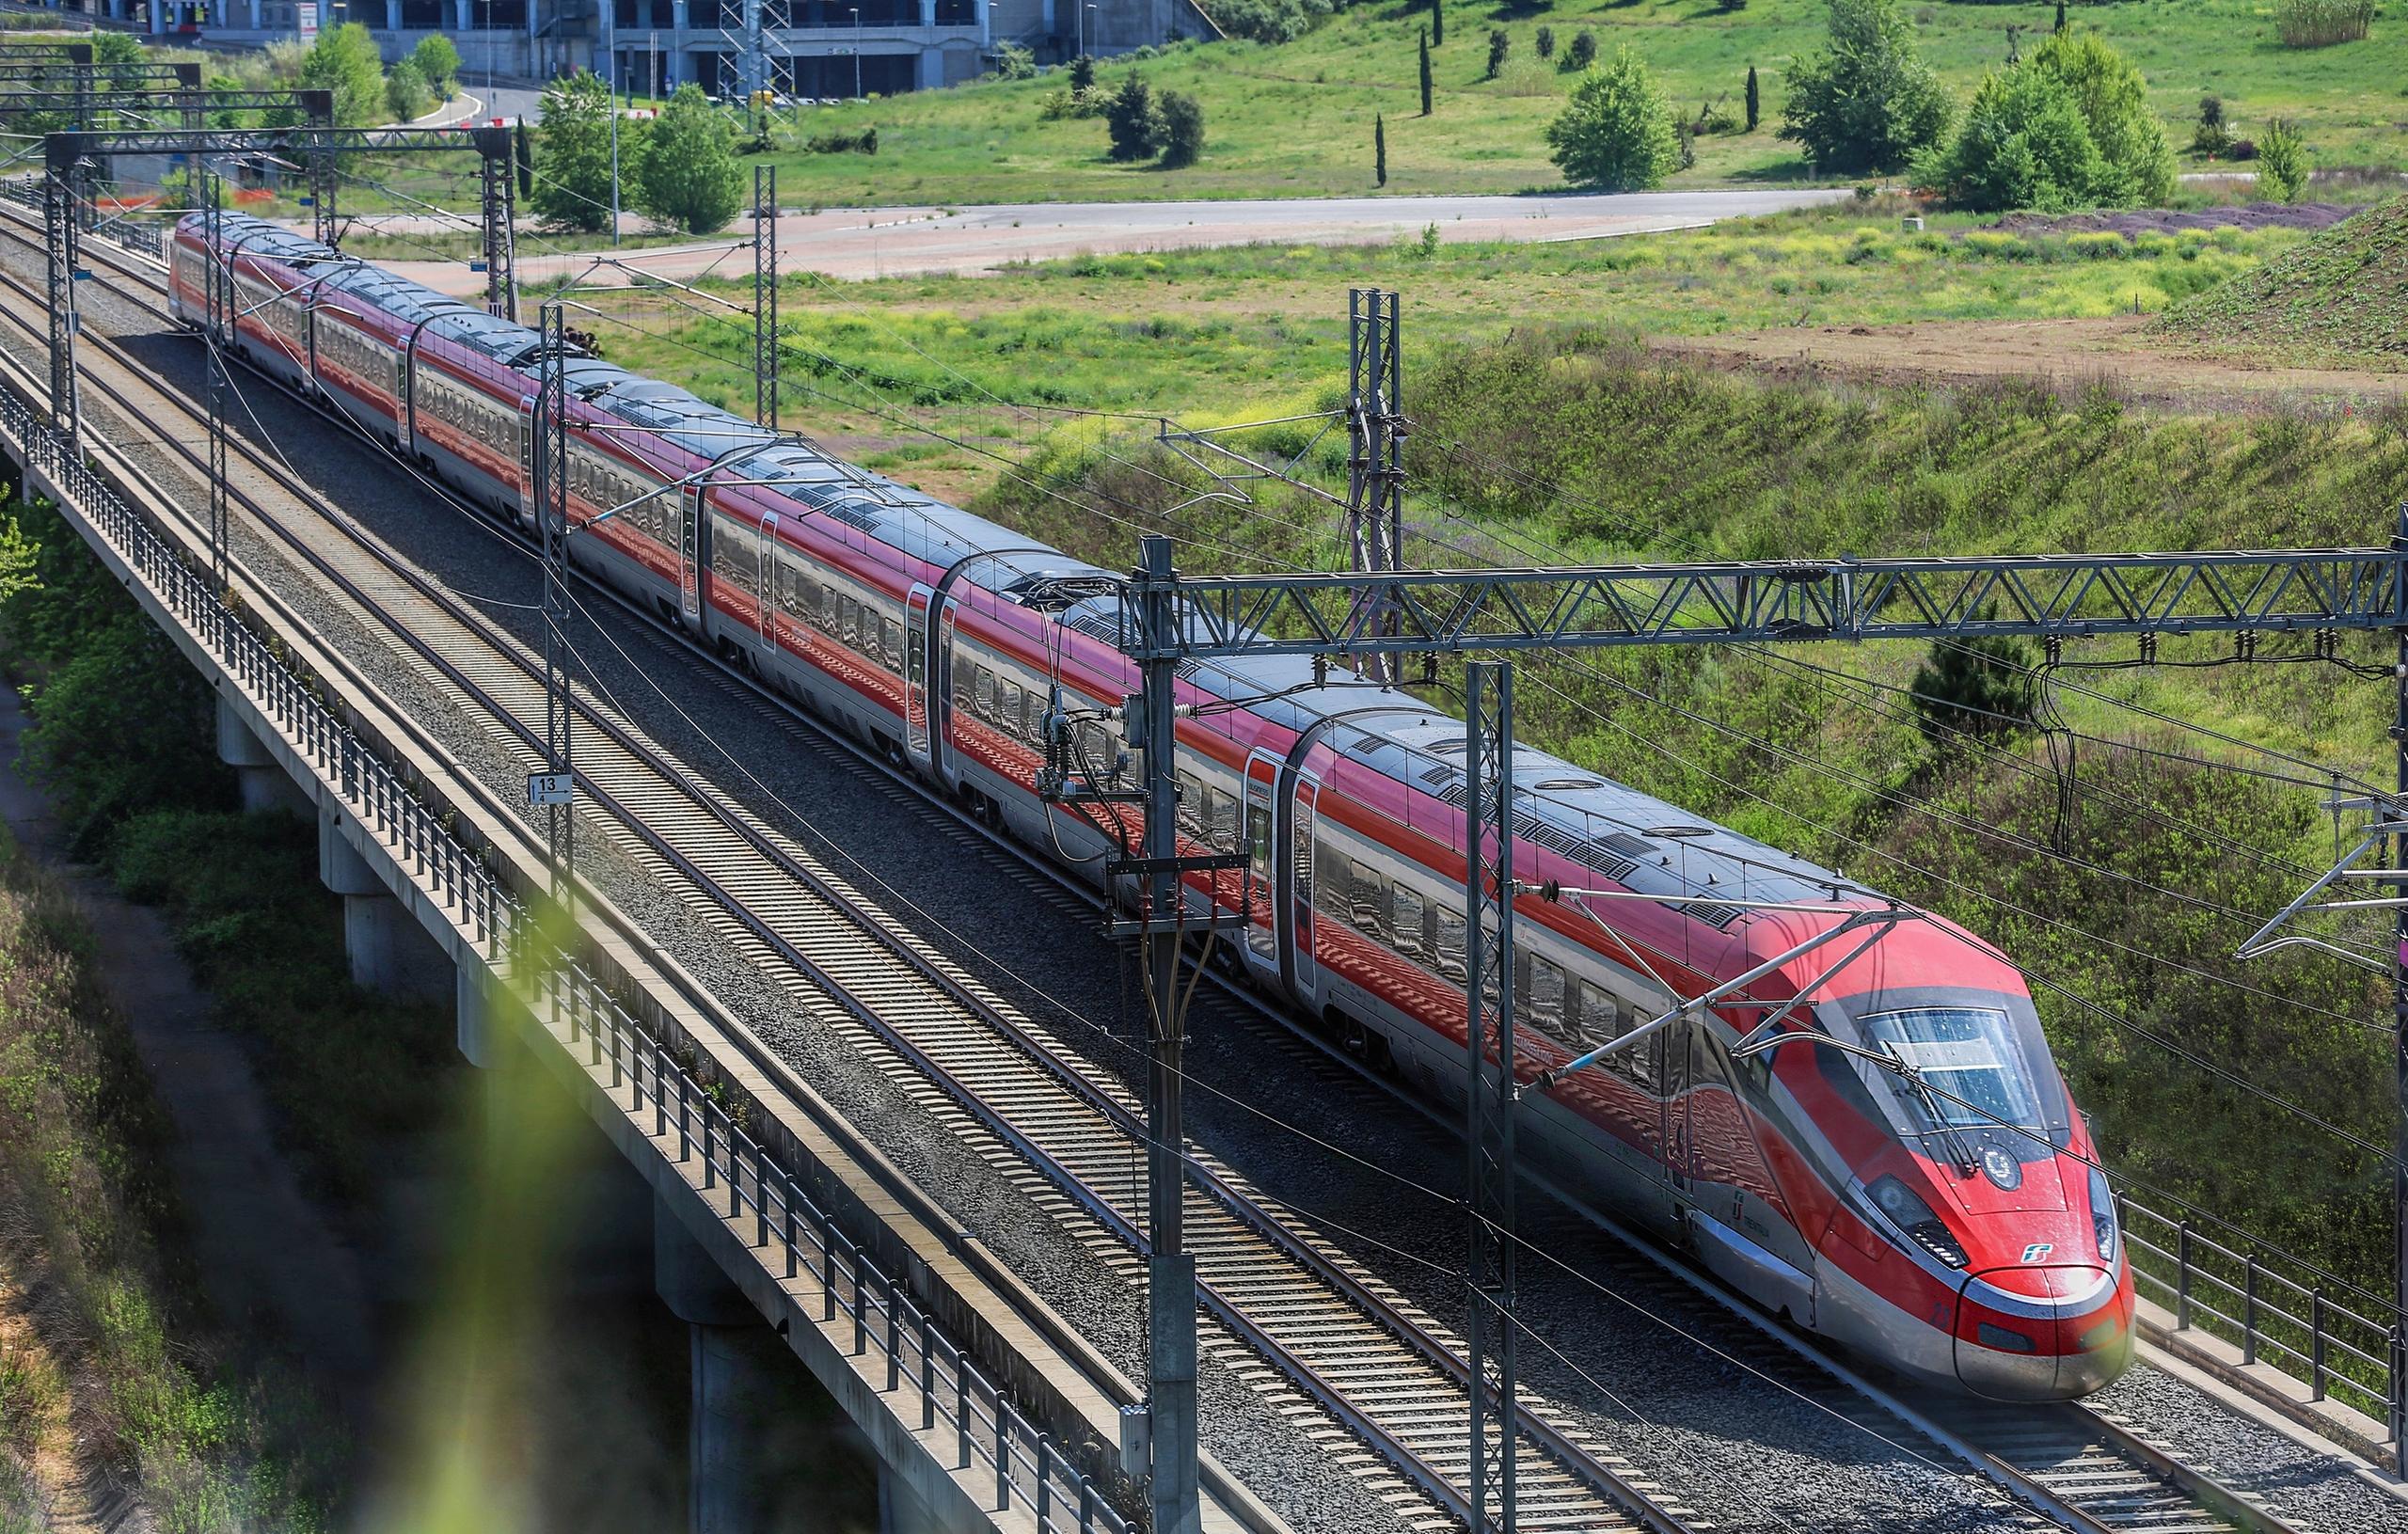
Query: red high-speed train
x=1958, y=1235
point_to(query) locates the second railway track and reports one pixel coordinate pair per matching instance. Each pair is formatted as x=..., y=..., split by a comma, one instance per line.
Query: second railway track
x=1292, y=1314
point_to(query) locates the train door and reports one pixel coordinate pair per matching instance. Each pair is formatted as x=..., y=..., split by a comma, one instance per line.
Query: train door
x=1304, y=975
x=765, y=597
x=689, y=557
x=919, y=655
x=527, y=460
x=1737, y=1221
x=405, y=416
x=940, y=684
x=1256, y=825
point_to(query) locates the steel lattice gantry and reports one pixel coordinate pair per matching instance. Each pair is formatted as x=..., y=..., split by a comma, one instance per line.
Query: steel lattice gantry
x=1168, y=619
x=66, y=154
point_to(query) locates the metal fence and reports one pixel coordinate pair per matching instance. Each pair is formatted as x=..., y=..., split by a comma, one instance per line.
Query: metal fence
x=2275, y=1309
x=1019, y=1464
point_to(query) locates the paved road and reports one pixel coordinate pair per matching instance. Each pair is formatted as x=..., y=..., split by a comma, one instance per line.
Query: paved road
x=856, y=243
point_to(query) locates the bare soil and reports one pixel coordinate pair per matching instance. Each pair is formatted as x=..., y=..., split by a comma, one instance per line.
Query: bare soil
x=2131, y=223
x=2070, y=355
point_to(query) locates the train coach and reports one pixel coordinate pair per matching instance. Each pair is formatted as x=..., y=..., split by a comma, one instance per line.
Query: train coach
x=1924, y=1195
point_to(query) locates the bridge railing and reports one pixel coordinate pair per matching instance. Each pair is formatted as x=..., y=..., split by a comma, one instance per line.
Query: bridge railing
x=1018, y=1463
x=2308, y=1325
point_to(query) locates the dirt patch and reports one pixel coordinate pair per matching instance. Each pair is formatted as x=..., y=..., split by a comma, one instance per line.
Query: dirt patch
x=2070, y=355
x=2134, y=222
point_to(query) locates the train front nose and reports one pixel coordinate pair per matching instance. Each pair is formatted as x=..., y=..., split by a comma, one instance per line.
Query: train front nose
x=2041, y=1333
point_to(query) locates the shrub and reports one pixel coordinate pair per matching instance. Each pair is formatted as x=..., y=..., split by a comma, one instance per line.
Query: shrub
x=1868, y=101
x=2211, y=137
x=1183, y=120
x=687, y=177
x=1583, y=50
x=406, y=96
x=2318, y=24
x=439, y=62
x=2282, y=163
x=1713, y=117
x=1545, y=43
x=1082, y=75
x=1980, y=687
x=1499, y=44
x=573, y=184
x=2068, y=127
x=864, y=142
x=1269, y=21
x=1014, y=62
x=1135, y=127
x=1616, y=132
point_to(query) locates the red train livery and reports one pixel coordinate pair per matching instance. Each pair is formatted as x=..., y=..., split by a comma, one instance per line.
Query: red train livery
x=1957, y=1234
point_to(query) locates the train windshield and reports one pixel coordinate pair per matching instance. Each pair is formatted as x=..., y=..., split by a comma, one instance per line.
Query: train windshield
x=1982, y=1073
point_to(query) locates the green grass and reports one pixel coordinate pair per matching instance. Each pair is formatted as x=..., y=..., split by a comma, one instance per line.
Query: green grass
x=1245, y=333
x=2341, y=294
x=1295, y=120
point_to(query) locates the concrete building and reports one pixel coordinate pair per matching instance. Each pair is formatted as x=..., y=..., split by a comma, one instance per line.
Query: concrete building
x=823, y=48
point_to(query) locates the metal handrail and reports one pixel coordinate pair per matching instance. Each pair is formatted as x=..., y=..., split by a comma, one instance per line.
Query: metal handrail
x=990, y=1428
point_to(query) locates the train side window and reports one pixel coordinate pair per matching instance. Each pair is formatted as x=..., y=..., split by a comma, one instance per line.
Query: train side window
x=982, y=693
x=1221, y=815
x=1450, y=942
x=1600, y=1015
x=1334, y=893
x=1370, y=896
x=1008, y=705
x=1547, y=999
x=1411, y=912
x=891, y=633
x=1191, y=806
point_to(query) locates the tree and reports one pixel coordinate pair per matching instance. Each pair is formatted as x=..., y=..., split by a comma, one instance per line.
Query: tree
x=1182, y=119
x=573, y=188
x=1499, y=44
x=1014, y=62
x=344, y=61
x=2025, y=144
x=120, y=49
x=1583, y=53
x=2115, y=102
x=1136, y=128
x=1425, y=72
x=1755, y=103
x=1380, y=147
x=1439, y=24
x=1547, y=42
x=1616, y=132
x=1974, y=687
x=406, y=94
x=2281, y=161
x=439, y=61
x=688, y=176
x=2211, y=137
x=1868, y=101
x=1082, y=75
x=2061, y=15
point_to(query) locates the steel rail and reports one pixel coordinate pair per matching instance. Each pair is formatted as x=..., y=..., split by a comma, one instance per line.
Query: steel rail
x=1412, y=1334
x=2210, y=1496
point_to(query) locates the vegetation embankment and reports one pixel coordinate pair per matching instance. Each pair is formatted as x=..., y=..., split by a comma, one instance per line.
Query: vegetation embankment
x=2118, y=857
x=114, y=1379
x=2342, y=295
x=1298, y=119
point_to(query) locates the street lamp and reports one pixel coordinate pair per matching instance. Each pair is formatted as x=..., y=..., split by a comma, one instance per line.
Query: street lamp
x=857, y=51
x=1082, y=29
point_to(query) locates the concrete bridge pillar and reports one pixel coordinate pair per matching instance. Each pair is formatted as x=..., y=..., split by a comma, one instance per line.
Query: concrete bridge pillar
x=390, y=952
x=265, y=787
x=733, y=1382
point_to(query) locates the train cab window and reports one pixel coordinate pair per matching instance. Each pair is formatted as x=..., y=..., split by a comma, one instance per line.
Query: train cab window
x=1450, y=942
x=1412, y=913
x=1546, y=1004
x=1369, y=895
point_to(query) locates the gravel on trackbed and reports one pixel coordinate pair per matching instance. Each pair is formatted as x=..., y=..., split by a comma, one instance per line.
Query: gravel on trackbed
x=1768, y=1446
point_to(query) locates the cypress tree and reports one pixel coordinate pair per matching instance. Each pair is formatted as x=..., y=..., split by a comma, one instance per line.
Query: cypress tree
x=1755, y=103
x=1380, y=147
x=1438, y=22
x=1425, y=72
x=2061, y=15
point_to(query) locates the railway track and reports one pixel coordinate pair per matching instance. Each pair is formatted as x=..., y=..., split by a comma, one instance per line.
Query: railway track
x=1290, y=1314
x=1340, y=1332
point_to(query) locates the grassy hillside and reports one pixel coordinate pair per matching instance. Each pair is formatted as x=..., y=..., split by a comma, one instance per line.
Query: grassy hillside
x=1295, y=120
x=2342, y=293
x=2127, y=878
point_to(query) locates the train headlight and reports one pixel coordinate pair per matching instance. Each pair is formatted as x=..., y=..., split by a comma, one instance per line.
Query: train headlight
x=1916, y=1220
x=2102, y=1216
